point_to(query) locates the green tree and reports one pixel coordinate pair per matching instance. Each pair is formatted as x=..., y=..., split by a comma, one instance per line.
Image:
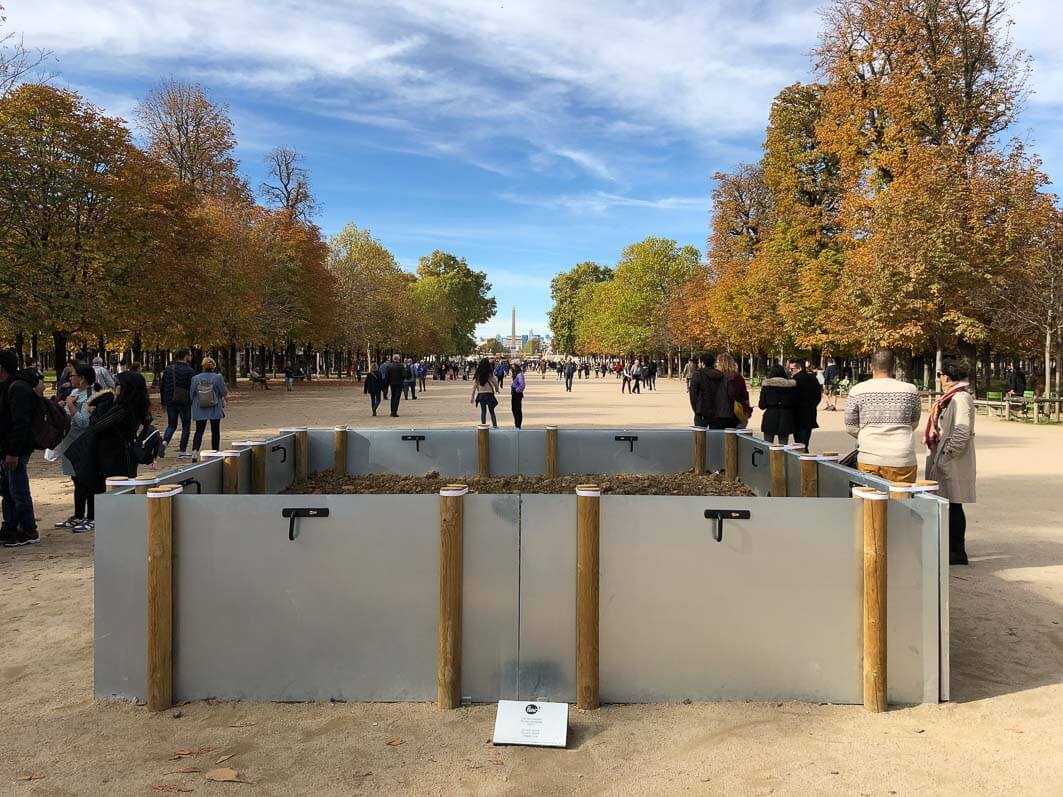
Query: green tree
x=446, y=281
x=570, y=298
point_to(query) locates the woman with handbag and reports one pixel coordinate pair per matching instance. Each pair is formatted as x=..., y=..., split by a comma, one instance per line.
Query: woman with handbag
x=949, y=436
x=208, y=404
x=743, y=410
x=484, y=388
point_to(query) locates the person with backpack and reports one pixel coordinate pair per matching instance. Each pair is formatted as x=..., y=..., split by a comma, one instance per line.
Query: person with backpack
x=175, y=394
x=76, y=406
x=712, y=396
x=374, y=387
x=409, y=379
x=18, y=403
x=208, y=404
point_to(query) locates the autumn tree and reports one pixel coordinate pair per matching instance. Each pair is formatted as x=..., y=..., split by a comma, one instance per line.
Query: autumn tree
x=570, y=300
x=287, y=184
x=191, y=134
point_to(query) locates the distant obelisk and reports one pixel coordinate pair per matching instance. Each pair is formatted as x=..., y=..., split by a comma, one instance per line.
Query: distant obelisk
x=513, y=338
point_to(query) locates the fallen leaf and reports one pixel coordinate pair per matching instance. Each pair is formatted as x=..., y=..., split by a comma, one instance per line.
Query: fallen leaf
x=192, y=751
x=183, y=771
x=395, y=742
x=224, y=758
x=31, y=776
x=225, y=775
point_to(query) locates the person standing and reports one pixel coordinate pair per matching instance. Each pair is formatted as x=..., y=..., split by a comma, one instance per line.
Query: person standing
x=949, y=437
x=625, y=374
x=484, y=390
x=175, y=394
x=104, y=378
x=17, y=401
x=373, y=387
x=688, y=371
x=778, y=397
x=289, y=376
x=831, y=377
x=809, y=394
x=516, y=393
x=208, y=404
x=422, y=376
x=881, y=414
x=651, y=375
x=711, y=396
x=409, y=379
x=76, y=406
x=394, y=383
x=570, y=372
x=741, y=408
x=500, y=374
x=636, y=376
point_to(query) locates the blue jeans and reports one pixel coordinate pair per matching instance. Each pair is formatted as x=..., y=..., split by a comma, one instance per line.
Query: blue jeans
x=172, y=415
x=374, y=401
x=409, y=386
x=17, y=501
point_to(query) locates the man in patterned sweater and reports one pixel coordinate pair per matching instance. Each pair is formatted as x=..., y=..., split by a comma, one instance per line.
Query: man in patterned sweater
x=881, y=414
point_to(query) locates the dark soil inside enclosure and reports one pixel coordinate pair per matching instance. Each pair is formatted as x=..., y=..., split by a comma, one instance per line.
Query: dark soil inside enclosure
x=330, y=483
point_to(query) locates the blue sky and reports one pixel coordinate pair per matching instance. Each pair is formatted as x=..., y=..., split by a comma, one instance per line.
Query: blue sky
x=523, y=136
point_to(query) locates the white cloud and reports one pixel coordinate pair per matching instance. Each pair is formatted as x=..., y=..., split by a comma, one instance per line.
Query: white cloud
x=601, y=201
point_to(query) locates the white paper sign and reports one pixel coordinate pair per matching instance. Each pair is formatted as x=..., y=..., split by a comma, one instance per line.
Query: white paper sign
x=531, y=723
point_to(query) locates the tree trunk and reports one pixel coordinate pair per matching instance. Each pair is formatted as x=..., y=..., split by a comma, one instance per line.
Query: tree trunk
x=904, y=365
x=101, y=348
x=35, y=349
x=59, y=346
x=230, y=366
x=20, y=342
x=138, y=347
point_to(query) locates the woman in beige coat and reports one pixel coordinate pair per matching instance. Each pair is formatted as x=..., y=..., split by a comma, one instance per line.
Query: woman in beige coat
x=949, y=436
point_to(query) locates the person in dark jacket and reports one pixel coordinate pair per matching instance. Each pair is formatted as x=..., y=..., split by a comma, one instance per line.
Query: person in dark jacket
x=809, y=394
x=778, y=395
x=740, y=408
x=712, y=396
x=175, y=395
x=116, y=429
x=395, y=383
x=373, y=387
x=17, y=402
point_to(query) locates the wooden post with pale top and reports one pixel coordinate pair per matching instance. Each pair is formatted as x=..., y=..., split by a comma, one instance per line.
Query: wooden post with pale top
x=588, y=516
x=339, y=452
x=875, y=504
x=160, y=596
x=483, y=450
x=699, y=449
x=551, y=452
x=451, y=542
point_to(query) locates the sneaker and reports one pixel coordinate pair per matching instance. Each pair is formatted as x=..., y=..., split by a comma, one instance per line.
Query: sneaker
x=184, y=455
x=83, y=526
x=162, y=450
x=23, y=538
x=7, y=535
x=69, y=523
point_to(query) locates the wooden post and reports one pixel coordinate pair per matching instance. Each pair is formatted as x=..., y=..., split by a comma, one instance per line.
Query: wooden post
x=230, y=473
x=451, y=523
x=339, y=455
x=115, y=483
x=160, y=596
x=302, y=454
x=699, y=449
x=809, y=476
x=483, y=450
x=551, y=452
x=1036, y=412
x=143, y=483
x=777, y=457
x=1007, y=409
x=730, y=453
x=259, y=454
x=874, y=597
x=588, y=513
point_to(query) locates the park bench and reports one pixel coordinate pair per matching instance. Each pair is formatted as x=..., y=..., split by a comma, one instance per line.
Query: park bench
x=258, y=380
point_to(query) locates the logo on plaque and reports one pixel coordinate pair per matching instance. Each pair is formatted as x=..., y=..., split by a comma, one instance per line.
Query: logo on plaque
x=531, y=708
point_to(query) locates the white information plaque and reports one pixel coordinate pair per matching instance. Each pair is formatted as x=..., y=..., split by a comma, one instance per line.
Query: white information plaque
x=531, y=723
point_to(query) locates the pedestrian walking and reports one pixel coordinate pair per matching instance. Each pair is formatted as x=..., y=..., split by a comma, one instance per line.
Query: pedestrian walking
x=516, y=394
x=831, y=378
x=809, y=394
x=409, y=380
x=208, y=404
x=484, y=390
x=688, y=371
x=394, y=383
x=374, y=387
x=175, y=394
x=289, y=376
x=636, y=377
x=17, y=402
x=570, y=372
x=104, y=378
x=625, y=374
x=949, y=437
x=778, y=397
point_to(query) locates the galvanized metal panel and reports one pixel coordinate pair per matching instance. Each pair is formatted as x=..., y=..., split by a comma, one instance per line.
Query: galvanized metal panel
x=322, y=446
x=793, y=473
x=754, y=469
x=208, y=473
x=714, y=450
x=912, y=616
x=548, y=597
x=598, y=451
x=120, y=588
x=347, y=611
x=531, y=452
x=835, y=481
x=450, y=452
x=944, y=623
x=280, y=463
x=772, y=611
x=490, y=600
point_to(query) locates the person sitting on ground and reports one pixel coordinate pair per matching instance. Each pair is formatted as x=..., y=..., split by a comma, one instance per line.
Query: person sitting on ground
x=778, y=396
x=881, y=414
x=712, y=396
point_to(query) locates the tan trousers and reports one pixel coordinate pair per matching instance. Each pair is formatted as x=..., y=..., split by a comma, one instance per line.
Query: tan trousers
x=906, y=474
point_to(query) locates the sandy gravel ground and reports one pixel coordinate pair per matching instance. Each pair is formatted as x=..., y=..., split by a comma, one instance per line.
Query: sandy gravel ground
x=1002, y=734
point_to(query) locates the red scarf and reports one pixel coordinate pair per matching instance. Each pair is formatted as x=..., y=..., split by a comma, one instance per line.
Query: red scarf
x=930, y=433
